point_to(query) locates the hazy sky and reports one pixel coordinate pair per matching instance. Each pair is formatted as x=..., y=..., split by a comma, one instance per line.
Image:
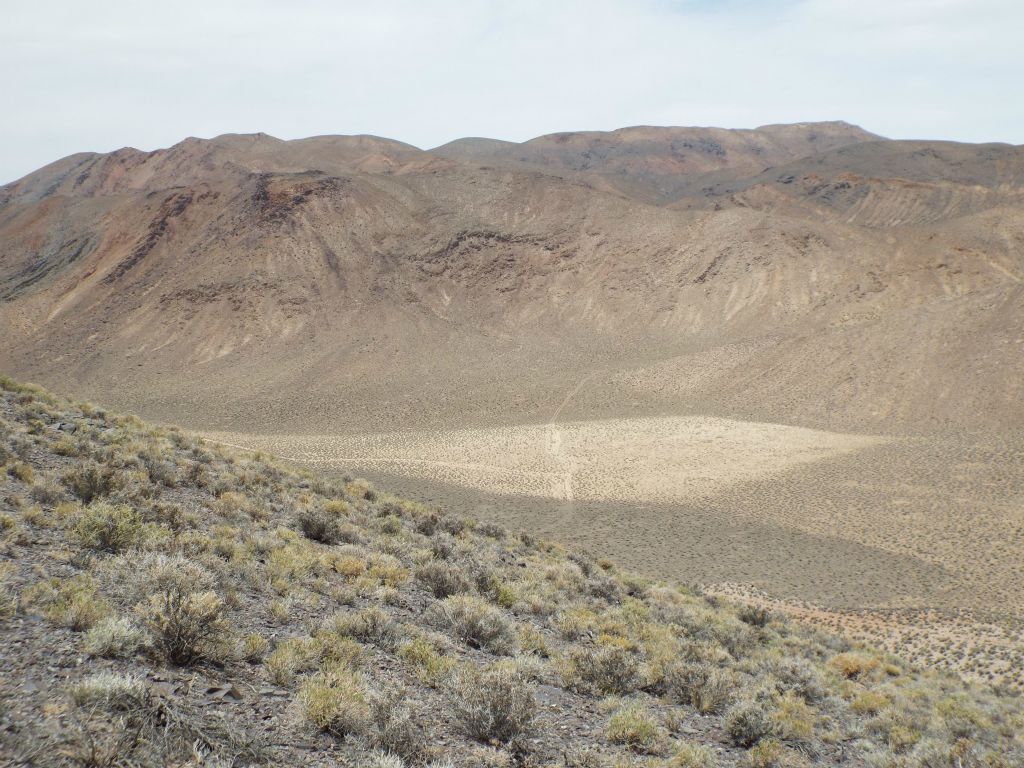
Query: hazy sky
x=100, y=75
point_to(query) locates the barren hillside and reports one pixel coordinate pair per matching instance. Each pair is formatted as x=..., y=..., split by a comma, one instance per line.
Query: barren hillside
x=868, y=284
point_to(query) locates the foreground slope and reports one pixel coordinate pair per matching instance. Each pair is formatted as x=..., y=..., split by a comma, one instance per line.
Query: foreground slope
x=165, y=602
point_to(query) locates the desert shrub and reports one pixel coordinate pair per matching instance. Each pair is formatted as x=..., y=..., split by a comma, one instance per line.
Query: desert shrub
x=370, y=625
x=349, y=566
x=109, y=527
x=385, y=760
x=429, y=665
x=491, y=530
x=765, y=754
x=46, y=492
x=869, y=702
x=319, y=525
x=754, y=615
x=337, y=507
x=706, y=688
x=113, y=637
x=149, y=573
x=606, y=670
x=390, y=525
x=66, y=445
x=605, y=587
x=90, y=481
x=495, y=703
x=395, y=728
x=442, y=579
x=443, y=545
x=747, y=723
x=21, y=471
x=801, y=677
x=853, y=666
x=186, y=626
x=693, y=756
x=475, y=623
x=160, y=468
x=334, y=701
x=8, y=593
x=633, y=726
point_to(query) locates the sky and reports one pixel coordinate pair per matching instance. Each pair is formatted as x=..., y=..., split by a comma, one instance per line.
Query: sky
x=96, y=76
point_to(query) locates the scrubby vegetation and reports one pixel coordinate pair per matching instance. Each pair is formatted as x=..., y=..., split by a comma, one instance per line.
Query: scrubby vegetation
x=164, y=601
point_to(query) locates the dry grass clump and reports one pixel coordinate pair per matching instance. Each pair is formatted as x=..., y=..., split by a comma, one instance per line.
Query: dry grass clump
x=495, y=703
x=693, y=756
x=633, y=726
x=430, y=666
x=8, y=593
x=854, y=666
x=114, y=637
x=74, y=603
x=110, y=691
x=334, y=701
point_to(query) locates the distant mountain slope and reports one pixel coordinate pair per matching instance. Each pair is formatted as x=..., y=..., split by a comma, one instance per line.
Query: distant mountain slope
x=658, y=164
x=872, y=284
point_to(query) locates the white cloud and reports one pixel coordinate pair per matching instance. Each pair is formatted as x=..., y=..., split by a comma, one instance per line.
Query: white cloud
x=96, y=76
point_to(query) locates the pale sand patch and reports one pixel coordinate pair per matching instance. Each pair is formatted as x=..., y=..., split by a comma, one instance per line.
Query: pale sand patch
x=664, y=459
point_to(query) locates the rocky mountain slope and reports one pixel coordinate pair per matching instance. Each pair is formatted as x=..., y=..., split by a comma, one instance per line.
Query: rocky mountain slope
x=166, y=602
x=813, y=274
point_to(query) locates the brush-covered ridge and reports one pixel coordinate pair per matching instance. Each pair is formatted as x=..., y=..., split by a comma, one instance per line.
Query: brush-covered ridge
x=164, y=601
